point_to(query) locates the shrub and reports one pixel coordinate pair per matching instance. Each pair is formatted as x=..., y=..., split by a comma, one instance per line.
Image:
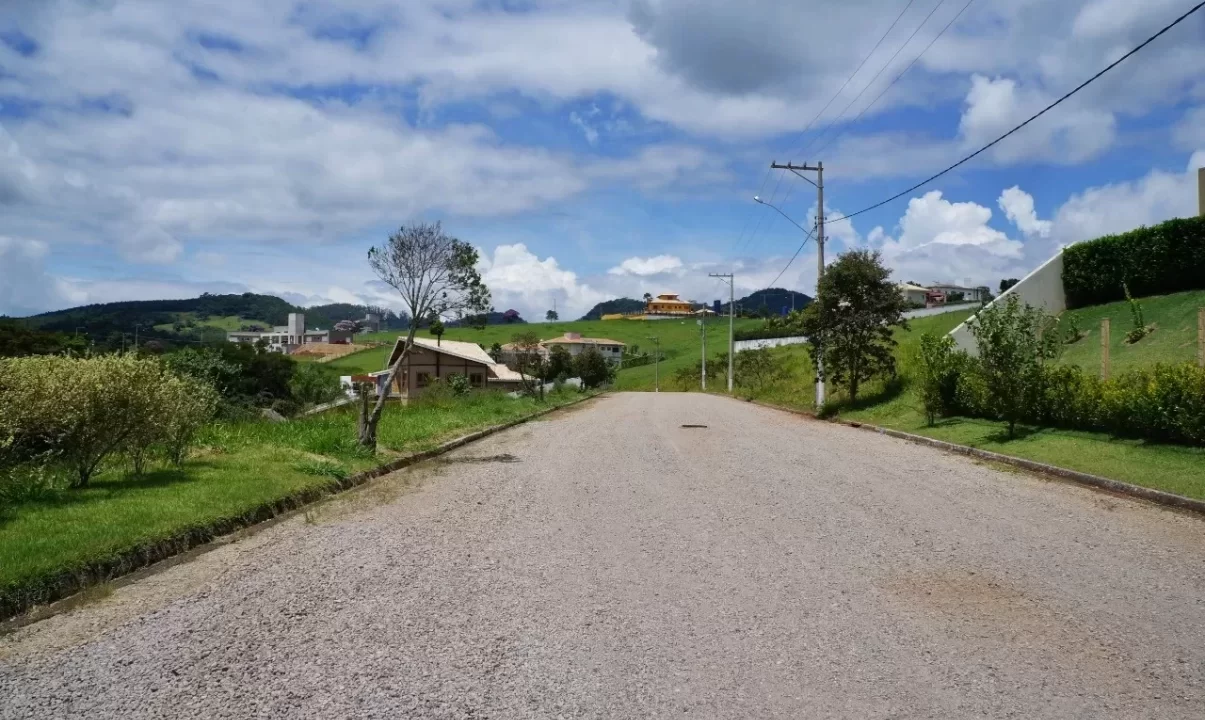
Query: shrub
x=1139, y=329
x=85, y=409
x=593, y=368
x=940, y=370
x=1166, y=258
x=315, y=384
x=187, y=405
x=755, y=370
x=1011, y=352
x=459, y=384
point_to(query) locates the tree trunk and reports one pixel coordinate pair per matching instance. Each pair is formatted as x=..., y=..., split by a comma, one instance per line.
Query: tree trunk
x=365, y=437
x=368, y=429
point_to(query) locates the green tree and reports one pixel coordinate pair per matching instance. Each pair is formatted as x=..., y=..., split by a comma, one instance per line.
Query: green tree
x=850, y=323
x=436, y=328
x=1012, y=351
x=593, y=368
x=1006, y=283
x=560, y=362
x=551, y=316
x=496, y=352
x=434, y=273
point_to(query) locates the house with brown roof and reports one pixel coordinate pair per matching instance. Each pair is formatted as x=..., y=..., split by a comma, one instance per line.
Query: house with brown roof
x=431, y=360
x=611, y=350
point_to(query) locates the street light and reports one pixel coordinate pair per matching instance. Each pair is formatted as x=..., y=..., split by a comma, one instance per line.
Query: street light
x=757, y=199
x=819, y=274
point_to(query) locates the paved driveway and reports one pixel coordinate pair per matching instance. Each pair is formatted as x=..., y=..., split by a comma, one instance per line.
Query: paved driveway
x=608, y=563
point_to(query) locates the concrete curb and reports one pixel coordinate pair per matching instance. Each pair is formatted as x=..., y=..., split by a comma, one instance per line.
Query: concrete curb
x=1094, y=481
x=47, y=597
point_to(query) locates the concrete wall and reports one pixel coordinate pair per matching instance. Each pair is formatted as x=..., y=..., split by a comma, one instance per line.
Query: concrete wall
x=1041, y=288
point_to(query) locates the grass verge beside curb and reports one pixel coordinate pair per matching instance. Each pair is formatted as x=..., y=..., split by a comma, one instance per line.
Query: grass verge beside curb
x=31, y=602
x=1094, y=481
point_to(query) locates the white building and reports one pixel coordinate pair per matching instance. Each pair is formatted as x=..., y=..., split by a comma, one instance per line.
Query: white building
x=914, y=294
x=283, y=338
x=969, y=294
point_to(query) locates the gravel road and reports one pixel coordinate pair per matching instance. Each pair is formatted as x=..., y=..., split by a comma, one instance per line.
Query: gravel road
x=607, y=563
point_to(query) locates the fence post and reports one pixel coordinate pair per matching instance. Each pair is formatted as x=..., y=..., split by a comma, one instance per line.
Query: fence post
x=1201, y=337
x=1104, y=349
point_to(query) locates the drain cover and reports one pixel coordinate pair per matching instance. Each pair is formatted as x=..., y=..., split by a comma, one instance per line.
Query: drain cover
x=693, y=426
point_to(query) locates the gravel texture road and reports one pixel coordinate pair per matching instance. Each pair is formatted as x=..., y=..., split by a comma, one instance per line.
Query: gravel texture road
x=606, y=562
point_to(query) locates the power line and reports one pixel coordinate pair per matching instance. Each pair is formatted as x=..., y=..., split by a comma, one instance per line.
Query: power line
x=890, y=85
x=797, y=251
x=854, y=73
x=1037, y=115
x=887, y=64
x=809, y=127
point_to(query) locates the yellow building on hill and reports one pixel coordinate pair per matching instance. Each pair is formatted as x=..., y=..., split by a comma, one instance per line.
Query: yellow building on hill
x=667, y=304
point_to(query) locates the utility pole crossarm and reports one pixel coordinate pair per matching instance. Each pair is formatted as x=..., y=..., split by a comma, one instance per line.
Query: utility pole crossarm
x=796, y=168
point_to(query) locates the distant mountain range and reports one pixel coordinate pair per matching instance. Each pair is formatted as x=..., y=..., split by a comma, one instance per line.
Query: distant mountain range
x=770, y=301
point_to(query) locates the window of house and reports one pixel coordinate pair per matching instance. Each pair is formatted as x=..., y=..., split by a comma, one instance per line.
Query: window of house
x=423, y=379
x=476, y=379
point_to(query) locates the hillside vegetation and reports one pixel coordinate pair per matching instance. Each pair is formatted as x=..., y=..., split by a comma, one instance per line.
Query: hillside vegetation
x=1174, y=340
x=191, y=320
x=896, y=404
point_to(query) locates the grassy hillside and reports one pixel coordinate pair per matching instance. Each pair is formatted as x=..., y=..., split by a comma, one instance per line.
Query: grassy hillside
x=1173, y=341
x=679, y=342
x=895, y=404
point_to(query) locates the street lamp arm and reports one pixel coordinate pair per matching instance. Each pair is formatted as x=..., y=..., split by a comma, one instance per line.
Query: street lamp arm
x=780, y=212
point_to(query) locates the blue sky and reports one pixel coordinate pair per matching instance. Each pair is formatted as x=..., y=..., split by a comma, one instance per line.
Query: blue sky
x=589, y=149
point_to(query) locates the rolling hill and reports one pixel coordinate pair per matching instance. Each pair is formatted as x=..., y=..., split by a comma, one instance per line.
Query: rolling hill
x=618, y=305
x=202, y=319
x=770, y=301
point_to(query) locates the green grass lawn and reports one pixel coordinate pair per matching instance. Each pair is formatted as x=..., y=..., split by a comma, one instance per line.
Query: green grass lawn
x=238, y=467
x=680, y=343
x=1173, y=341
x=1171, y=468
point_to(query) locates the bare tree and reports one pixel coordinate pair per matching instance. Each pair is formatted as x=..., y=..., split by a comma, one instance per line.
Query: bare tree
x=434, y=273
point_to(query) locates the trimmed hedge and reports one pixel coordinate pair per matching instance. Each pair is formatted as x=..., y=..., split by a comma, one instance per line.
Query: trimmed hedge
x=1164, y=403
x=1166, y=258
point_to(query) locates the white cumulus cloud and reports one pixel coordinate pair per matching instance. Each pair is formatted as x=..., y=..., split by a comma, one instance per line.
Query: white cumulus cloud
x=647, y=266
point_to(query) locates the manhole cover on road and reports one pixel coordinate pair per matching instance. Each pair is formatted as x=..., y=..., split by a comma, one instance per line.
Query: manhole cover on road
x=693, y=426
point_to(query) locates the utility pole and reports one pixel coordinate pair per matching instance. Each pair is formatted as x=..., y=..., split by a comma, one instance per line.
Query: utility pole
x=656, y=362
x=703, y=327
x=818, y=168
x=731, y=317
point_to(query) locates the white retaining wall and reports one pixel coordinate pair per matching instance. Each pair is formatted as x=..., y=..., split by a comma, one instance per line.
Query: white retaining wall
x=1041, y=288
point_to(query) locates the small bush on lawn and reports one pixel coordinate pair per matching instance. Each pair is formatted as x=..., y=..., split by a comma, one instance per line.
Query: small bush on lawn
x=459, y=384
x=940, y=369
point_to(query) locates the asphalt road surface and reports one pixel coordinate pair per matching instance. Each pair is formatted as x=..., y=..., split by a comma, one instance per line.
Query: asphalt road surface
x=608, y=563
